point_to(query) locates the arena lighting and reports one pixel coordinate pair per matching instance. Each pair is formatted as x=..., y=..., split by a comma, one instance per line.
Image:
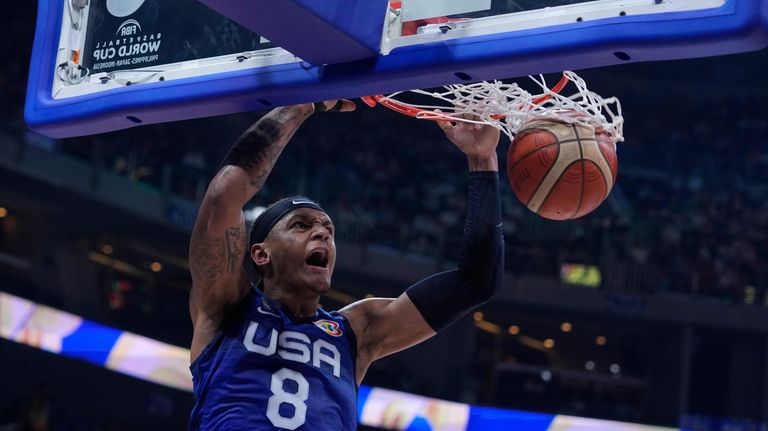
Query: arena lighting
x=3, y=212
x=66, y=334
x=549, y=343
x=566, y=327
x=478, y=316
x=546, y=375
x=117, y=264
x=107, y=249
x=70, y=335
x=156, y=266
x=601, y=341
x=580, y=275
x=488, y=326
x=513, y=330
x=750, y=294
x=590, y=365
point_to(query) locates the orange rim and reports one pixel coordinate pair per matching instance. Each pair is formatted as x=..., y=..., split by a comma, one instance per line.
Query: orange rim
x=415, y=112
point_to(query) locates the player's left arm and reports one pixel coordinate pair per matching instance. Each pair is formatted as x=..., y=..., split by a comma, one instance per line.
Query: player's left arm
x=384, y=326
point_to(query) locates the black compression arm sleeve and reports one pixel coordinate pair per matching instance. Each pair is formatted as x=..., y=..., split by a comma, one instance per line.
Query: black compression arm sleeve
x=443, y=298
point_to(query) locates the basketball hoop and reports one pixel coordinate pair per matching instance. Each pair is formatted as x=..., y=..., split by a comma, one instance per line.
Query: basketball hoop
x=508, y=106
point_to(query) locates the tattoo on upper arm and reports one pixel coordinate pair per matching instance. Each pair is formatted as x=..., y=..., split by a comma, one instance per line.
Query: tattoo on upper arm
x=235, y=245
x=213, y=256
x=259, y=178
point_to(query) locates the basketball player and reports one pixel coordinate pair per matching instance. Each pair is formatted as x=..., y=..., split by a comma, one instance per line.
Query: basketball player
x=268, y=357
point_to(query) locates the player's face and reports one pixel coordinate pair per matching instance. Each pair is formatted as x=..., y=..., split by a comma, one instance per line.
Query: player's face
x=303, y=251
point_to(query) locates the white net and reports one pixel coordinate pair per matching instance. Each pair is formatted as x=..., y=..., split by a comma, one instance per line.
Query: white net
x=508, y=106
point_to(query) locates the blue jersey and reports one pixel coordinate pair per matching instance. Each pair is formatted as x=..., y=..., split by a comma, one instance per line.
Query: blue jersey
x=266, y=370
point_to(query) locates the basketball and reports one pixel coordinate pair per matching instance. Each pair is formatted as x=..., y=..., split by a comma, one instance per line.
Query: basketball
x=561, y=171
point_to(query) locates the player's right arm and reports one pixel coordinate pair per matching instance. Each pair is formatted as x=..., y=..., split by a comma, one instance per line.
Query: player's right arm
x=219, y=239
x=385, y=326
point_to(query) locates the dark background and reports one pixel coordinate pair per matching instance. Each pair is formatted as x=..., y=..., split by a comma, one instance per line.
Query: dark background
x=681, y=245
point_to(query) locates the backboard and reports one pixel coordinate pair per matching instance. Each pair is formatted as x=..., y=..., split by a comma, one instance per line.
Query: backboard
x=103, y=65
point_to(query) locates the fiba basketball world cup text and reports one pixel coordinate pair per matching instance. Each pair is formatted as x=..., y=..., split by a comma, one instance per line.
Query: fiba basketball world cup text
x=129, y=48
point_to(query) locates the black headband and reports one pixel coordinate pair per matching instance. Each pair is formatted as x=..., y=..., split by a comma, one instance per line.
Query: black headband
x=267, y=220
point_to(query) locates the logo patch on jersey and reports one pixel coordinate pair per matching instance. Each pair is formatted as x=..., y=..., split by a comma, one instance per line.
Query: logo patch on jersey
x=329, y=327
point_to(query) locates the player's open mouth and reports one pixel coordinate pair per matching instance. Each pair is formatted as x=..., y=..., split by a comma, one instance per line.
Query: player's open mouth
x=318, y=259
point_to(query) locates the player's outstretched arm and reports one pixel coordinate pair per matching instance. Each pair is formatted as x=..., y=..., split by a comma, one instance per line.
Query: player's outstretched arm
x=219, y=240
x=386, y=326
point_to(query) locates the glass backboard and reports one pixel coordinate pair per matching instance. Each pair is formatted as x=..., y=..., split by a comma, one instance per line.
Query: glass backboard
x=103, y=65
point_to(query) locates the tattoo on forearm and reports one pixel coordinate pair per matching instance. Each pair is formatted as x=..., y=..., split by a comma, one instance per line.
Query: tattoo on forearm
x=255, y=145
x=259, y=144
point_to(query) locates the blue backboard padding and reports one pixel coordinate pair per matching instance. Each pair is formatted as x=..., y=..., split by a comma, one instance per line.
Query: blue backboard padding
x=320, y=32
x=488, y=419
x=91, y=342
x=738, y=26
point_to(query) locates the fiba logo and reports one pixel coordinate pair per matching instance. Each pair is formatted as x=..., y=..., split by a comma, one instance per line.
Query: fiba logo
x=122, y=8
x=130, y=46
x=330, y=327
x=130, y=27
x=129, y=42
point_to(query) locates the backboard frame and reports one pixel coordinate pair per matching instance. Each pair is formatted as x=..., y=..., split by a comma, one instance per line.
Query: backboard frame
x=262, y=81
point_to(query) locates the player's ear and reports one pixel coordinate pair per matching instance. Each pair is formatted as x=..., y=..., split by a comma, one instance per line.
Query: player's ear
x=260, y=254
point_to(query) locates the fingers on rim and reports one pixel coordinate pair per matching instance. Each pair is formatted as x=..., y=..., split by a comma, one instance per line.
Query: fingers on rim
x=446, y=125
x=347, y=105
x=341, y=105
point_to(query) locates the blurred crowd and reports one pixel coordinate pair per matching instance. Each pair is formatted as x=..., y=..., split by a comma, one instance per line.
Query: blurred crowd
x=688, y=214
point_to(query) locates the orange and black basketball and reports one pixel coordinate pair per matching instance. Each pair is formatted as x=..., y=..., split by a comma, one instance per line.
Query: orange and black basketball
x=561, y=171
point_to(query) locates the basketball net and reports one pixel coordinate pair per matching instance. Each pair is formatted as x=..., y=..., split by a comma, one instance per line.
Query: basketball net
x=508, y=107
